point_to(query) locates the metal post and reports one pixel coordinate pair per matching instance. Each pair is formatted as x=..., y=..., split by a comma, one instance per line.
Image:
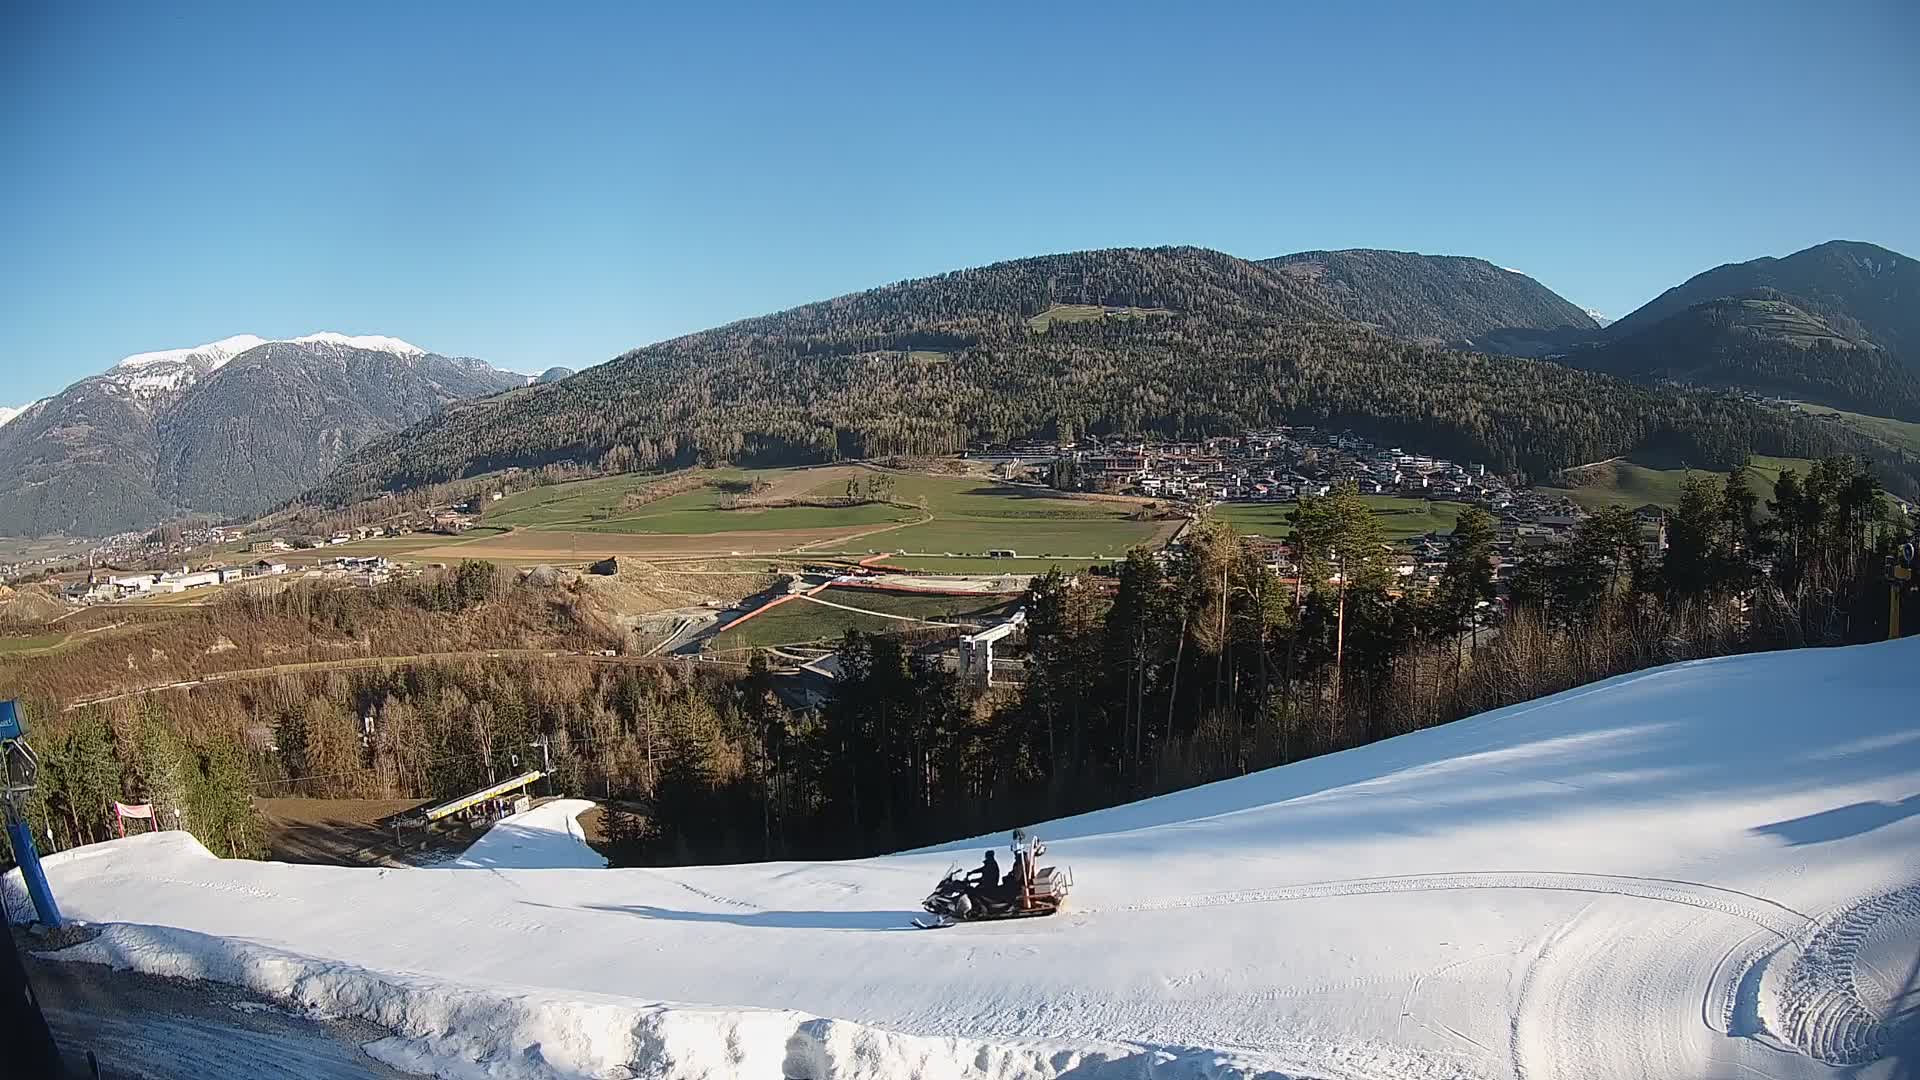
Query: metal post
x=21, y=834
x=22, y=769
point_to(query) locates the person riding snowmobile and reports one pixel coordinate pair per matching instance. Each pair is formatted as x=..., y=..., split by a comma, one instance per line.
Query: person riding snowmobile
x=989, y=873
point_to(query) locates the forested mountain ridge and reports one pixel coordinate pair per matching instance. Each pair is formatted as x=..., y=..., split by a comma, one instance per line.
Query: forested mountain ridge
x=1438, y=299
x=1177, y=342
x=1863, y=291
x=229, y=428
x=1766, y=344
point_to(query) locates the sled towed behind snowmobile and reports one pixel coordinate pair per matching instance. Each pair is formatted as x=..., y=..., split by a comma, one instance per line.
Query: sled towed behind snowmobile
x=1026, y=893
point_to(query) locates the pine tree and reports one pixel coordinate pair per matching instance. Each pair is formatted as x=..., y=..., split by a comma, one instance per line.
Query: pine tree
x=220, y=805
x=1468, y=580
x=1699, y=549
x=1339, y=542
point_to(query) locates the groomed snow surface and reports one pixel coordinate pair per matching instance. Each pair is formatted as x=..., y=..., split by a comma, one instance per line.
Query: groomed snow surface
x=1704, y=870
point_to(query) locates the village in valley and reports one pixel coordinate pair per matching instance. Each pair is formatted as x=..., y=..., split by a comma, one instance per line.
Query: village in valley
x=1250, y=480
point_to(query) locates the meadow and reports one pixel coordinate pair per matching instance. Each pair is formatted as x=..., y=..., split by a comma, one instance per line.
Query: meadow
x=1899, y=434
x=1402, y=518
x=1628, y=483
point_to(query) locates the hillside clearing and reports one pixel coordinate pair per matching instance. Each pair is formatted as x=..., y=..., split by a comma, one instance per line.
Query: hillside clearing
x=1900, y=434
x=1623, y=482
x=1073, y=313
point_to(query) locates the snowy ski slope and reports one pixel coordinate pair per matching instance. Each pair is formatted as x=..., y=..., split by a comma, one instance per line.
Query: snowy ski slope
x=1705, y=870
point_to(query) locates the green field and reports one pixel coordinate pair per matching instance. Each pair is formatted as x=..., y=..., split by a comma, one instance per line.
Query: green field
x=1630, y=484
x=974, y=497
x=956, y=519
x=570, y=503
x=974, y=536
x=1763, y=471
x=798, y=621
x=973, y=516
x=1402, y=517
x=686, y=520
x=1624, y=483
x=1899, y=434
x=597, y=506
x=979, y=609
x=599, y=502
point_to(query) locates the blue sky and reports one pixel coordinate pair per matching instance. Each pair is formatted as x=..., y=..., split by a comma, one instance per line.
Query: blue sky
x=539, y=190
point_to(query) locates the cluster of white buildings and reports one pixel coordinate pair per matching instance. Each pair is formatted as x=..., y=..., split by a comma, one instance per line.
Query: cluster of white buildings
x=101, y=586
x=119, y=586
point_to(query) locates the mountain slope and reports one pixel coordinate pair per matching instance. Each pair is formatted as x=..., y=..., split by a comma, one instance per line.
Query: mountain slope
x=1699, y=870
x=1765, y=344
x=81, y=463
x=1178, y=342
x=225, y=428
x=1441, y=299
x=1863, y=291
x=277, y=418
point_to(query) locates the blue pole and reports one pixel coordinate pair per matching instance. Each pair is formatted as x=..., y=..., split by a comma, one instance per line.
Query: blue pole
x=30, y=871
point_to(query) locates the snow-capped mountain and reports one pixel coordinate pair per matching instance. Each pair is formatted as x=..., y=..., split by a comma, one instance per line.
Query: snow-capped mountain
x=7, y=413
x=1603, y=320
x=176, y=369
x=173, y=369
x=228, y=427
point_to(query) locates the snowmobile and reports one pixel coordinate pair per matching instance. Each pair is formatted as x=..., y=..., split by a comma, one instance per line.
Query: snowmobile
x=1025, y=893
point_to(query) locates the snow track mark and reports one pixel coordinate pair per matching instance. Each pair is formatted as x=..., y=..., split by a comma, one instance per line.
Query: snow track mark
x=1819, y=1007
x=710, y=897
x=1783, y=921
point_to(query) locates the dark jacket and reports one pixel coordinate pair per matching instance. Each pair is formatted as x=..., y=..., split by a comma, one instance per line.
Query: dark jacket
x=990, y=872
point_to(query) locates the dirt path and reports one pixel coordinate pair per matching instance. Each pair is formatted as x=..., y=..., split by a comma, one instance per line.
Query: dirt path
x=554, y=546
x=864, y=533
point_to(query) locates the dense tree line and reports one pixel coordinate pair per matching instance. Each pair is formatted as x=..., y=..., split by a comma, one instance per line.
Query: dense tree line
x=472, y=605
x=928, y=367
x=1174, y=668
x=1446, y=299
x=1766, y=345
x=194, y=777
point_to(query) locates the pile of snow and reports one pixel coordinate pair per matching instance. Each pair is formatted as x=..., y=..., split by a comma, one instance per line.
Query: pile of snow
x=546, y=836
x=1702, y=870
